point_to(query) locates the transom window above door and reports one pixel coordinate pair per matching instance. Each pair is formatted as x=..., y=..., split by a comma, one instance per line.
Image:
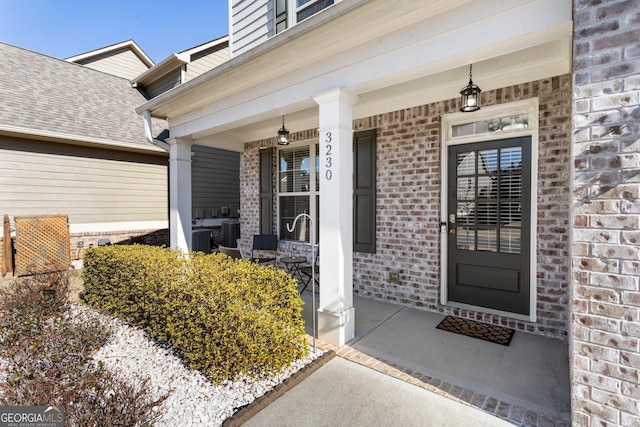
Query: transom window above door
x=499, y=124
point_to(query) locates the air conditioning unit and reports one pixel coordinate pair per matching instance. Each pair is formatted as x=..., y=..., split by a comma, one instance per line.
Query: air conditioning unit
x=201, y=241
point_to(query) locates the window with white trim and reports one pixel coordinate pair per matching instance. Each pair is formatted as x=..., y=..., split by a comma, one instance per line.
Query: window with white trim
x=298, y=190
x=290, y=12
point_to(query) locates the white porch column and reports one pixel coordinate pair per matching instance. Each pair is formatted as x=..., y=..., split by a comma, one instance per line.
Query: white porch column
x=336, y=315
x=180, y=193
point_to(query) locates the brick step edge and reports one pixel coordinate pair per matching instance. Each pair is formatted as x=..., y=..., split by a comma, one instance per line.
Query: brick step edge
x=246, y=412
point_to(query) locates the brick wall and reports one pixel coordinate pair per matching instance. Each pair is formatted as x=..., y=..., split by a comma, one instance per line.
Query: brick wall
x=80, y=242
x=605, y=334
x=408, y=208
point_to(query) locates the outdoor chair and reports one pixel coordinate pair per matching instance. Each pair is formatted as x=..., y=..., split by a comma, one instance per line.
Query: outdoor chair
x=234, y=253
x=305, y=272
x=264, y=243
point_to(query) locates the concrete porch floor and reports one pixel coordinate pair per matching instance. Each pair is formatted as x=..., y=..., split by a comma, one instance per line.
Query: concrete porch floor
x=525, y=383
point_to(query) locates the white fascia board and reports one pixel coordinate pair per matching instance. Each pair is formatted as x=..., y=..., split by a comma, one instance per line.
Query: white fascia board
x=170, y=63
x=204, y=46
x=110, y=227
x=408, y=54
x=130, y=43
x=76, y=139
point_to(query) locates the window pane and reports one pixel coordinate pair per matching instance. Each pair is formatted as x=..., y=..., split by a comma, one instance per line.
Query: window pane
x=510, y=187
x=290, y=207
x=466, y=188
x=466, y=163
x=510, y=214
x=488, y=239
x=488, y=213
x=510, y=240
x=461, y=130
x=301, y=181
x=487, y=188
x=295, y=168
x=313, y=8
x=511, y=159
x=487, y=162
x=465, y=238
x=466, y=213
x=286, y=182
x=500, y=124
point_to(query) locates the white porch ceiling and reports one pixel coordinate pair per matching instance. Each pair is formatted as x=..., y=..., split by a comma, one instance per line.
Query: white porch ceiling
x=392, y=54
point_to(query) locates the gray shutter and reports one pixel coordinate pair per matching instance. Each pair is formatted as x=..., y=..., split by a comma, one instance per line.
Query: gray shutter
x=364, y=191
x=266, y=191
x=280, y=15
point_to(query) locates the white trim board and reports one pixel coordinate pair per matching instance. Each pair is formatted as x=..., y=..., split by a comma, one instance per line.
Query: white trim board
x=530, y=107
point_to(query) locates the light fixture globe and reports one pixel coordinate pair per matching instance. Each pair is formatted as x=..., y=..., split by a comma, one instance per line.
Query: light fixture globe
x=470, y=96
x=283, y=135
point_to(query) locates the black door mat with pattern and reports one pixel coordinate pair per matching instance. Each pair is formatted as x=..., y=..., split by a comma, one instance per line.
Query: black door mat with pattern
x=471, y=328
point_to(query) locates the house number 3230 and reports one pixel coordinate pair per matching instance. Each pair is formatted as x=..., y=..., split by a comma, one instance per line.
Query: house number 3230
x=328, y=156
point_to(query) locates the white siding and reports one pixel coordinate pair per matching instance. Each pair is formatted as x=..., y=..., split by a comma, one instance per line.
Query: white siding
x=251, y=23
x=90, y=185
x=122, y=63
x=206, y=60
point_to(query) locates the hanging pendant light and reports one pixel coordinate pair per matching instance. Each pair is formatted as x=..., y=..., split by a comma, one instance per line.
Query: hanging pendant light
x=470, y=96
x=283, y=134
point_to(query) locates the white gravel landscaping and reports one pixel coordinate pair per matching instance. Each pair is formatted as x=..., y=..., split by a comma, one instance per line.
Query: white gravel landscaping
x=193, y=400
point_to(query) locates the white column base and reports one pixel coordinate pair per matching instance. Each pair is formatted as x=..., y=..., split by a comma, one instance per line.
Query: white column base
x=337, y=328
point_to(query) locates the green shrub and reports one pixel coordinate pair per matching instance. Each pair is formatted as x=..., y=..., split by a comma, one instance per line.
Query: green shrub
x=127, y=280
x=226, y=317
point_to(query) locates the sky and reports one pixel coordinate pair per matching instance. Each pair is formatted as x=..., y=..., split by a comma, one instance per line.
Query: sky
x=65, y=28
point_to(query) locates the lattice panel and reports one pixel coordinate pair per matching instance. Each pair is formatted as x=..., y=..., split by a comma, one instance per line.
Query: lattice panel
x=42, y=244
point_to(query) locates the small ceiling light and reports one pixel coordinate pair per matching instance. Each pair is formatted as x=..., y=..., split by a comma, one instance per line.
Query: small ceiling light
x=283, y=134
x=470, y=96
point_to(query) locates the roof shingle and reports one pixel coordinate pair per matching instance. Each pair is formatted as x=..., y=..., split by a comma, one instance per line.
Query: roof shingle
x=41, y=93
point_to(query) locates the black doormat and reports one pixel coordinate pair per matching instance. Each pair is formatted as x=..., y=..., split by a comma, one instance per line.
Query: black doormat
x=471, y=328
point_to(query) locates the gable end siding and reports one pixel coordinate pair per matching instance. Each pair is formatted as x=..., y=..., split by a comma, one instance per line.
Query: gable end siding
x=206, y=60
x=122, y=63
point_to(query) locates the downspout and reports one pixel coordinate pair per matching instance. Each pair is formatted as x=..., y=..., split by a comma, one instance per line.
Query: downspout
x=149, y=135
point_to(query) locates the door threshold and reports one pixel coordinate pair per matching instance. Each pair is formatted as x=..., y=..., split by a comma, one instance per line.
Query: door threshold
x=523, y=317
